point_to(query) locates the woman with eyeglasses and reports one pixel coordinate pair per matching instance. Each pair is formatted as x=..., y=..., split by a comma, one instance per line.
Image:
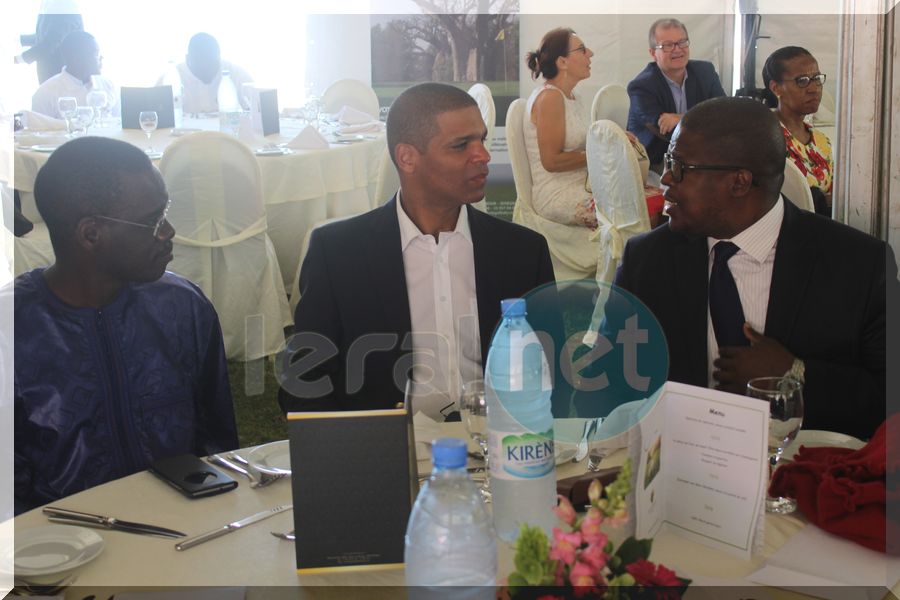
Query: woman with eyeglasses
x=555, y=128
x=792, y=75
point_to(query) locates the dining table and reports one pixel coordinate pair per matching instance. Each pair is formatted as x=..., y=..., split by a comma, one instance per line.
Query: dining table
x=301, y=187
x=261, y=564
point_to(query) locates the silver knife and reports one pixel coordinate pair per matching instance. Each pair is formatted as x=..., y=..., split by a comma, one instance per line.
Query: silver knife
x=211, y=535
x=73, y=517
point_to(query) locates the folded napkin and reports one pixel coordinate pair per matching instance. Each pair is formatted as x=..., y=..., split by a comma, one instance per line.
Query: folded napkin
x=843, y=491
x=351, y=116
x=371, y=127
x=308, y=139
x=35, y=121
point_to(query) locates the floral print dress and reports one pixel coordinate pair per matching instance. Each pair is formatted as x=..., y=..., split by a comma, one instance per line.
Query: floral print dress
x=813, y=159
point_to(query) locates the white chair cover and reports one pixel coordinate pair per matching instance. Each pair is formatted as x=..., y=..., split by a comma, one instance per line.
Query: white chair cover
x=485, y=100
x=621, y=206
x=221, y=242
x=295, y=288
x=611, y=102
x=523, y=212
x=33, y=250
x=796, y=188
x=353, y=93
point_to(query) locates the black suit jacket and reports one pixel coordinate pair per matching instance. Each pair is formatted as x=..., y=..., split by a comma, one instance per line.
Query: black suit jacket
x=353, y=284
x=651, y=96
x=826, y=306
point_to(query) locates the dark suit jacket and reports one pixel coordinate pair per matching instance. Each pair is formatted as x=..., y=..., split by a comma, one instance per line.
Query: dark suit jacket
x=352, y=284
x=651, y=96
x=826, y=306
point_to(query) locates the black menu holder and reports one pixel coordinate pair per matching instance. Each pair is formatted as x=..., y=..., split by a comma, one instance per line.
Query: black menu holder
x=353, y=482
x=268, y=108
x=137, y=99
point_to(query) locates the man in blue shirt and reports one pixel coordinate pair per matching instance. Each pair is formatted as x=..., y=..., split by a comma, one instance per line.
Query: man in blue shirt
x=668, y=87
x=117, y=362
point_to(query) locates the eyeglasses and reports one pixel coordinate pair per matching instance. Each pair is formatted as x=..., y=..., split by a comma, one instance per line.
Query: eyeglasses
x=804, y=80
x=669, y=46
x=677, y=168
x=582, y=48
x=155, y=227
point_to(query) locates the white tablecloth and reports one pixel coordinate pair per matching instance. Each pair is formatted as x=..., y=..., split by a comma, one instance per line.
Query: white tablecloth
x=299, y=189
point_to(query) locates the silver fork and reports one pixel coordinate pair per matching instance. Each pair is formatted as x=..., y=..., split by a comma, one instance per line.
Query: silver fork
x=264, y=479
x=287, y=535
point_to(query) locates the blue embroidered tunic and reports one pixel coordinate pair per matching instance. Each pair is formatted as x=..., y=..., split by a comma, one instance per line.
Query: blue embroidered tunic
x=101, y=393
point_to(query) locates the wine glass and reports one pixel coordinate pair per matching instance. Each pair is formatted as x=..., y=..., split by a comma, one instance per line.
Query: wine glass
x=96, y=99
x=785, y=398
x=148, y=120
x=473, y=410
x=67, y=106
x=84, y=118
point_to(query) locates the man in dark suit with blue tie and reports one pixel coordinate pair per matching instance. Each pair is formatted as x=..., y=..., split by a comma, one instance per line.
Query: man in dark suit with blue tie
x=745, y=284
x=668, y=87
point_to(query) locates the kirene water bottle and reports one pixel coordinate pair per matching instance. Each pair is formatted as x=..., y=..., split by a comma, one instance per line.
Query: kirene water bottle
x=229, y=105
x=449, y=538
x=520, y=426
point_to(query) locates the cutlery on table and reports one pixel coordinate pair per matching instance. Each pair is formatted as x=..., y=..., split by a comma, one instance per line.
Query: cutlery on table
x=589, y=426
x=73, y=517
x=221, y=461
x=233, y=526
x=287, y=535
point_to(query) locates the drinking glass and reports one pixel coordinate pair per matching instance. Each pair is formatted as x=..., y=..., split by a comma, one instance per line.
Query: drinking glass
x=84, y=118
x=785, y=398
x=473, y=410
x=148, y=120
x=67, y=106
x=96, y=99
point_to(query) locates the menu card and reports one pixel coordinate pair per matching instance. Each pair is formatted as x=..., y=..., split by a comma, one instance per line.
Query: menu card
x=353, y=483
x=702, y=468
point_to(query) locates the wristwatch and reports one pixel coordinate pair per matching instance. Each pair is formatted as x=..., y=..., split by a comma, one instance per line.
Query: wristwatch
x=797, y=371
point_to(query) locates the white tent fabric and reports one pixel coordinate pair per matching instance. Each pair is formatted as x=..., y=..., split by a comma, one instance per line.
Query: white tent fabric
x=352, y=93
x=611, y=102
x=221, y=242
x=796, y=188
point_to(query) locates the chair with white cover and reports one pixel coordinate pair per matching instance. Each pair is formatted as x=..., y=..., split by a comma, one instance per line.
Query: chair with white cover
x=485, y=100
x=796, y=188
x=221, y=243
x=621, y=206
x=611, y=102
x=523, y=212
x=295, y=287
x=33, y=250
x=353, y=93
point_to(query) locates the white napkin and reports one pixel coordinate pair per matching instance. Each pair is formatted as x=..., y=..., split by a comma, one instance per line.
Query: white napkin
x=425, y=430
x=308, y=139
x=35, y=121
x=351, y=116
x=371, y=127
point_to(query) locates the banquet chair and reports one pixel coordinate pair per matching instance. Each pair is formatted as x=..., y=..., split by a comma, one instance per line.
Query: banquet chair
x=523, y=212
x=352, y=93
x=33, y=250
x=611, y=102
x=796, y=188
x=295, y=287
x=221, y=242
x=485, y=100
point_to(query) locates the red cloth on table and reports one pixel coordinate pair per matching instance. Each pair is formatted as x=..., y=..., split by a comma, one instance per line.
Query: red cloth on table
x=844, y=491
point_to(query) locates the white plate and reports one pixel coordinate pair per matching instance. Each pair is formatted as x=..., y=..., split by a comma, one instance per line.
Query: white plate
x=51, y=549
x=813, y=438
x=180, y=131
x=272, y=459
x=44, y=148
x=564, y=453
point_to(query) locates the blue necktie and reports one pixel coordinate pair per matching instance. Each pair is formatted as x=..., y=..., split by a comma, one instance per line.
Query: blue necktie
x=724, y=302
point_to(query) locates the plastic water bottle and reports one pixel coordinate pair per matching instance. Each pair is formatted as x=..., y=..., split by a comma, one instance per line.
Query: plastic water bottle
x=229, y=105
x=520, y=426
x=449, y=538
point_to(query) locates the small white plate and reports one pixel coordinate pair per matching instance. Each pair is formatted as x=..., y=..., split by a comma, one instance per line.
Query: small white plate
x=564, y=453
x=50, y=550
x=180, y=131
x=44, y=148
x=814, y=438
x=272, y=459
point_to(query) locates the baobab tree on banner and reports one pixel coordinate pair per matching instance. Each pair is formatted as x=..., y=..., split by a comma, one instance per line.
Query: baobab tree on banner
x=471, y=30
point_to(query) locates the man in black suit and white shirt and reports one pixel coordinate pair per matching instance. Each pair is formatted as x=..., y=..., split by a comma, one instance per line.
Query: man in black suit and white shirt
x=811, y=291
x=415, y=285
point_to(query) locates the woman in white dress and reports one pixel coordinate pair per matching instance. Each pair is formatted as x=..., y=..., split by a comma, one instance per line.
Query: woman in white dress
x=555, y=130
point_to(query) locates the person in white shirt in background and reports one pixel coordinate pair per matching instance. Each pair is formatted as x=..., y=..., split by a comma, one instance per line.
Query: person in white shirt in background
x=80, y=75
x=201, y=74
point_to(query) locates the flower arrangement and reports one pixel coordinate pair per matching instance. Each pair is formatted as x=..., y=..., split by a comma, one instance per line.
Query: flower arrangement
x=581, y=562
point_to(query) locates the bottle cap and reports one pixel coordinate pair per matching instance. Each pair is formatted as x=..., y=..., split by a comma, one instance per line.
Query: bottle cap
x=512, y=307
x=449, y=453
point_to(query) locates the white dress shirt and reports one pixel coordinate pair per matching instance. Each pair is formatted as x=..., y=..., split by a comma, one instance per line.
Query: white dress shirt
x=63, y=84
x=751, y=267
x=443, y=311
x=200, y=97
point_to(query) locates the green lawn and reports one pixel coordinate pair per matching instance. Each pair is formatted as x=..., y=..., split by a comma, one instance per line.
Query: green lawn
x=255, y=392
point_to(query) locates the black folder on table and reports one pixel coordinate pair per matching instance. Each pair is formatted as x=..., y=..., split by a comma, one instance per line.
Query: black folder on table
x=138, y=99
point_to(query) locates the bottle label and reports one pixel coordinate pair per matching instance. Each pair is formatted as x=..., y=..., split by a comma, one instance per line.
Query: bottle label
x=515, y=456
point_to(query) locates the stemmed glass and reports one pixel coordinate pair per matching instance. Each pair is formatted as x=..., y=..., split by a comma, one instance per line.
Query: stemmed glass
x=785, y=398
x=473, y=410
x=96, y=99
x=148, y=120
x=84, y=118
x=67, y=106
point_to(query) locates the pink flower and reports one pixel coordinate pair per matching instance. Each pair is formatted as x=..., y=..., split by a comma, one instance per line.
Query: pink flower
x=590, y=527
x=594, y=556
x=582, y=579
x=565, y=511
x=649, y=574
x=564, y=546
